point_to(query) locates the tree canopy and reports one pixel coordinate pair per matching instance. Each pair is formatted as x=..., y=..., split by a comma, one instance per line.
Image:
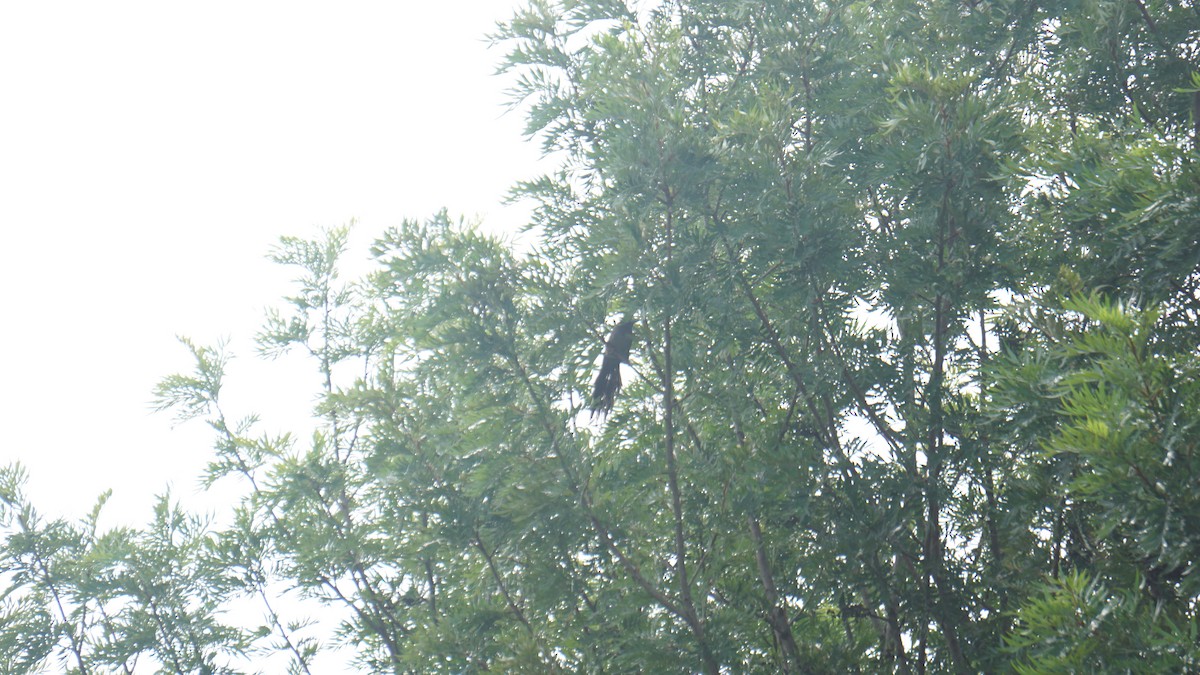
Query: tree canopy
x=914, y=385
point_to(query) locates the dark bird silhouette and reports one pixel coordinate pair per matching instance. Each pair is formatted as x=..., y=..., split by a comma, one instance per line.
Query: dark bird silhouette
x=608, y=382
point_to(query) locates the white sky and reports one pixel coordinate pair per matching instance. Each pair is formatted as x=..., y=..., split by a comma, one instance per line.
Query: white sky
x=150, y=155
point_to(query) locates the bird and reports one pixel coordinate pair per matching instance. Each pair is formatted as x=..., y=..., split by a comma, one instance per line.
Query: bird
x=608, y=381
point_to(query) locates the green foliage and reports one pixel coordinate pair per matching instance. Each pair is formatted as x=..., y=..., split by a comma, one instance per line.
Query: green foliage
x=86, y=601
x=913, y=387
x=1076, y=625
x=1122, y=403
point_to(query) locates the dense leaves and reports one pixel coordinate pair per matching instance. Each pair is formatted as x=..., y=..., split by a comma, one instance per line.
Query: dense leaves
x=914, y=387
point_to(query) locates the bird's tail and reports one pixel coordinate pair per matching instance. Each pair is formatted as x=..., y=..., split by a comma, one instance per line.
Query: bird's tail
x=608, y=384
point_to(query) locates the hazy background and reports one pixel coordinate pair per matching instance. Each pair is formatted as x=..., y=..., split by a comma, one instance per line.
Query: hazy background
x=151, y=153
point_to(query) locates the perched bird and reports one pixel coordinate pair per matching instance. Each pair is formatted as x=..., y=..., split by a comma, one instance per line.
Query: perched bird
x=608, y=382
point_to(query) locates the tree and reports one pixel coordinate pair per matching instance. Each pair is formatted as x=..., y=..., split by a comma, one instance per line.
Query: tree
x=1122, y=537
x=912, y=390
x=92, y=602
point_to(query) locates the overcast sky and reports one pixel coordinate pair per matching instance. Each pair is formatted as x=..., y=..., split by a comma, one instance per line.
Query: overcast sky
x=150, y=155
